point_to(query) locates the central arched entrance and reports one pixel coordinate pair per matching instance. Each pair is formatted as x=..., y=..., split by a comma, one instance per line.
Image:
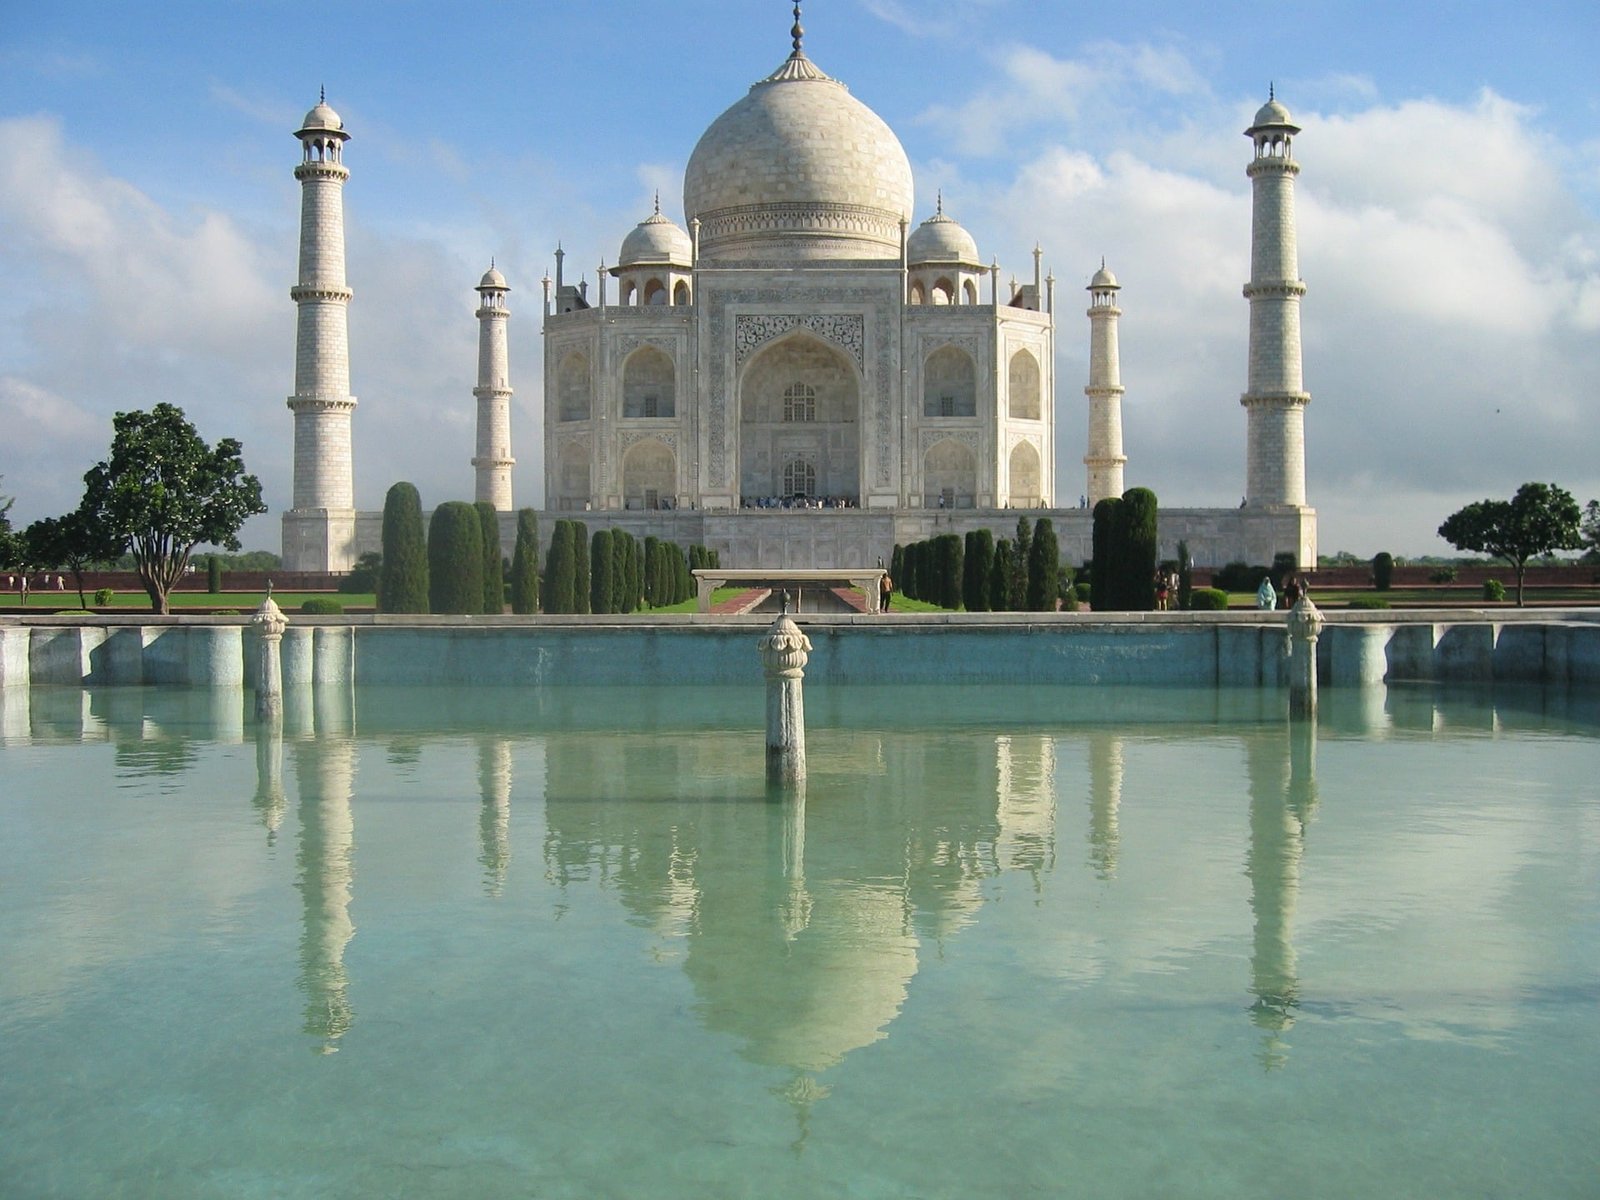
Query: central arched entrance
x=799, y=425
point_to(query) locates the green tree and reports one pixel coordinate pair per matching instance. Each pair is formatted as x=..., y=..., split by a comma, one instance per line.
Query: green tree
x=1021, y=550
x=635, y=574
x=560, y=570
x=602, y=572
x=525, y=564
x=455, y=559
x=72, y=541
x=652, y=560
x=1105, y=566
x=494, y=572
x=1540, y=519
x=1382, y=570
x=10, y=544
x=1590, y=529
x=1185, y=574
x=1044, y=568
x=364, y=576
x=1136, y=552
x=1000, y=576
x=580, y=567
x=163, y=491
x=979, y=566
x=621, y=557
x=403, y=580
x=950, y=556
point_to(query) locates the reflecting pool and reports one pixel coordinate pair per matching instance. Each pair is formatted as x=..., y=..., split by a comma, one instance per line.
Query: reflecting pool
x=1009, y=942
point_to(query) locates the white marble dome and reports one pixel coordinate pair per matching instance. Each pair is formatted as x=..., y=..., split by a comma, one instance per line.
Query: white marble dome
x=493, y=281
x=1271, y=113
x=940, y=239
x=656, y=240
x=798, y=170
x=1103, y=279
x=322, y=117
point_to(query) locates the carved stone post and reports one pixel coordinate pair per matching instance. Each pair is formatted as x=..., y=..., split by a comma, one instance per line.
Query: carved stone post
x=784, y=651
x=270, y=624
x=1305, y=624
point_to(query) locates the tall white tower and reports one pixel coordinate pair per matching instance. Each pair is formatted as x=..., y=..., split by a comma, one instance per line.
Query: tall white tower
x=1105, y=458
x=1276, y=400
x=319, y=528
x=493, y=461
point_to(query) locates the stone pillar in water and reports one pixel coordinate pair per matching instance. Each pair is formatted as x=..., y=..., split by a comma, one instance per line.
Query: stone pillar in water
x=1305, y=624
x=784, y=651
x=270, y=624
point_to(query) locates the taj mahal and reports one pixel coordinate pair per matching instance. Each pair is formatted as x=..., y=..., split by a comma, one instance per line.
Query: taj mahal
x=807, y=374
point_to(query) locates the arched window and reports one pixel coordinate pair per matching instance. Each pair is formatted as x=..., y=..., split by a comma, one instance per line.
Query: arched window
x=655, y=292
x=943, y=293
x=1023, y=391
x=916, y=293
x=630, y=293
x=799, y=478
x=680, y=294
x=647, y=384
x=969, y=292
x=800, y=403
x=949, y=384
x=572, y=387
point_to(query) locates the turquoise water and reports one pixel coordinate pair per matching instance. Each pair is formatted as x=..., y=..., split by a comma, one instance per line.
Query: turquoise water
x=1011, y=942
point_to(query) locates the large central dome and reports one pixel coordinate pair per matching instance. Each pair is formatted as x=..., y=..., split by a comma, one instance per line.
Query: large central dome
x=799, y=169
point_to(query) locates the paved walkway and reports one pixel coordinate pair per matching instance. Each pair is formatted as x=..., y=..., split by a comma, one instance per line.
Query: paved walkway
x=741, y=602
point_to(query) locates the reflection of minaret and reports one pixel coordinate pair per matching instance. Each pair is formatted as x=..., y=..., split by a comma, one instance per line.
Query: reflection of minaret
x=325, y=774
x=494, y=821
x=1105, y=797
x=1025, y=795
x=269, y=774
x=1282, y=776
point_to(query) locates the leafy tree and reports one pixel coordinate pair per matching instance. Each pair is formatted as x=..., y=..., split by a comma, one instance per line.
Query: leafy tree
x=560, y=570
x=494, y=573
x=163, y=491
x=979, y=566
x=1136, y=552
x=1044, y=566
x=602, y=572
x=1000, y=576
x=10, y=546
x=1540, y=519
x=525, y=564
x=455, y=559
x=1590, y=529
x=580, y=567
x=72, y=541
x=403, y=581
x=1105, y=566
x=364, y=576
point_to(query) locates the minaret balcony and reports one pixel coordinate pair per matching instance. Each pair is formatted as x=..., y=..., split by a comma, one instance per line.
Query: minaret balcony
x=307, y=291
x=1281, y=289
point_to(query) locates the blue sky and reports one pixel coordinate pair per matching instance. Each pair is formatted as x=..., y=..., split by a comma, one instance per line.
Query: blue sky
x=1449, y=216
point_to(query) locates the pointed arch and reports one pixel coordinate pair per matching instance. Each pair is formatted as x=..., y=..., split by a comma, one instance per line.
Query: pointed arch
x=648, y=384
x=800, y=399
x=1022, y=389
x=649, y=474
x=1024, y=473
x=572, y=477
x=572, y=387
x=949, y=475
x=949, y=384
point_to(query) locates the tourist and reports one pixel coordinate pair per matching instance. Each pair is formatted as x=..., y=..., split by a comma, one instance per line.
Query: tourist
x=1266, y=594
x=885, y=591
x=1161, y=590
x=1291, y=591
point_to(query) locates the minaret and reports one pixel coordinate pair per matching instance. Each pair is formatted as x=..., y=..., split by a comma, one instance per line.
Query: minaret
x=493, y=462
x=322, y=402
x=1105, y=458
x=1276, y=400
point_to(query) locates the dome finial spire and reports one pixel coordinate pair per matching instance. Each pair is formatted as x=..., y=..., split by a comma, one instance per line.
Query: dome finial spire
x=938, y=208
x=658, y=202
x=322, y=94
x=797, y=34
x=1272, y=90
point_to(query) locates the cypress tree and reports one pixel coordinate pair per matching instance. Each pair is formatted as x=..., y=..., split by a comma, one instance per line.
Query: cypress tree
x=897, y=566
x=1000, y=576
x=1021, y=549
x=648, y=577
x=1104, y=568
x=602, y=572
x=1185, y=575
x=403, y=578
x=213, y=574
x=559, y=568
x=635, y=575
x=910, y=570
x=455, y=559
x=686, y=583
x=525, y=564
x=1136, y=524
x=494, y=581
x=950, y=564
x=1044, y=568
x=619, y=570
x=580, y=567
x=980, y=565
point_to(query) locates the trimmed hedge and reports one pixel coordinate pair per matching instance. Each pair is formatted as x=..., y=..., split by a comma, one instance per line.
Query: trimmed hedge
x=1208, y=599
x=979, y=565
x=403, y=576
x=1103, y=567
x=560, y=570
x=1044, y=568
x=1369, y=602
x=602, y=574
x=1137, y=551
x=525, y=564
x=494, y=581
x=1382, y=570
x=580, y=567
x=455, y=559
x=321, y=606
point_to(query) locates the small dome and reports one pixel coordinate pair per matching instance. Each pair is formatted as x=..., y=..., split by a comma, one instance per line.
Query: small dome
x=1103, y=278
x=322, y=118
x=941, y=240
x=656, y=240
x=1272, y=113
x=492, y=279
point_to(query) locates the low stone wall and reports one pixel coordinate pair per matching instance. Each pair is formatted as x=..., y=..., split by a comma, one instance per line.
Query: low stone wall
x=1193, y=649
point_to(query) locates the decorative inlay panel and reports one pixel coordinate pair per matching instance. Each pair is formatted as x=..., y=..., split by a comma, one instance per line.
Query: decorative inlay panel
x=752, y=331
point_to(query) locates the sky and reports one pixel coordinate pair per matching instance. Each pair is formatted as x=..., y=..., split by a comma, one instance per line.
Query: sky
x=1448, y=206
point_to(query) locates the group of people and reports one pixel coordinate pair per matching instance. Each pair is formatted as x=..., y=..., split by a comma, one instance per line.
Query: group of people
x=1166, y=589
x=799, y=502
x=20, y=584
x=1294, y=586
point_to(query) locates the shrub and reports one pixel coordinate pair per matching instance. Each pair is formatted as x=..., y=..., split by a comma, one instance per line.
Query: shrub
x=1044, y=566
x=1082, y=591
x=1283, y=568
x=977, y=567
x=455, y=559
x=1103, y=566
x=1208, y=599
x=602, y=572
x=363, y=577
x=525, y=564
x=559, y=570
x=494, y=571
x=1494, y=590
x=1382, y=570
x=1239, y=577
x=213, y=574
x=1000, y=576
x=321, y=606
x=403, y=574
x=1369, y=602
x=102, y=596
x=1136, y=551
x=580, y=567
x=1443, y=575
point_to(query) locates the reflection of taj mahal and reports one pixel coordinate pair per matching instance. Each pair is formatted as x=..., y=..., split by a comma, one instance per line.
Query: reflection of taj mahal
x=806, y=375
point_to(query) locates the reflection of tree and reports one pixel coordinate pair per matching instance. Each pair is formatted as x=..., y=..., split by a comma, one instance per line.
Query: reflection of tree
x=1281, y=766
x=494, y=819
x=325, y=773
x=1105, y=797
